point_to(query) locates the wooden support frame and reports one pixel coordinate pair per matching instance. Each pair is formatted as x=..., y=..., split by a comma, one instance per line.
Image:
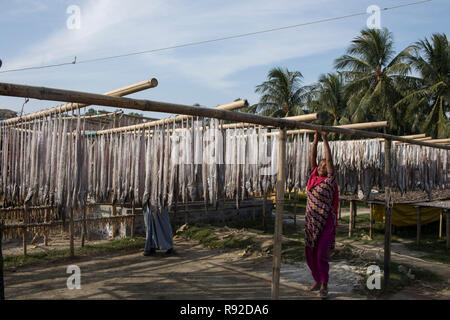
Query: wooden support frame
x=43, y=93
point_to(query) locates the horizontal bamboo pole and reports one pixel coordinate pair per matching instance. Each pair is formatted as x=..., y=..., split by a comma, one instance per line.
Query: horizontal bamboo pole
x=43, y=93
x=141, y=126
x=362, y=125
x=304, y=117
x=93, y=118
x=446, y=140
x=130, y=89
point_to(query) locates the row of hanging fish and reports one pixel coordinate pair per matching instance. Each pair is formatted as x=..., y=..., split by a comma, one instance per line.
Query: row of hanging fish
x=360, y=166
x=56, y=162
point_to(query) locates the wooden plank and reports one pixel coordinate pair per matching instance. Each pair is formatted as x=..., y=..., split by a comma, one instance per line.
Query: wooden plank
x=43, y=93
x=279, y=215
x=387, y=214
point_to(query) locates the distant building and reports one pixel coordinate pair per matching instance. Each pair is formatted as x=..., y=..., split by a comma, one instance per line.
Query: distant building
x=7, y=114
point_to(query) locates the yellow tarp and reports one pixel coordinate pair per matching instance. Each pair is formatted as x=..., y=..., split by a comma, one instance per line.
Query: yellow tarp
x=406, y=215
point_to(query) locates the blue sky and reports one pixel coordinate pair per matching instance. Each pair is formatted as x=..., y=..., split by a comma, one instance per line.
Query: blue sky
x=34, y=32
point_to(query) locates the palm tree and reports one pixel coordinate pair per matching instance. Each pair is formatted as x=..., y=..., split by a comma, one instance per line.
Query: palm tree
x=282, y=95
x=428, y=102
x=374, y=75
x=328, y=95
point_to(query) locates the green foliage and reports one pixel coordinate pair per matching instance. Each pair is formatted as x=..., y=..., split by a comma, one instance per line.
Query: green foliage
x=282, y=95
x=409, y=89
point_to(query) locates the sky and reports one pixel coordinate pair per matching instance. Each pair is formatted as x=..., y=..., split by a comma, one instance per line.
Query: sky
x=36, y=32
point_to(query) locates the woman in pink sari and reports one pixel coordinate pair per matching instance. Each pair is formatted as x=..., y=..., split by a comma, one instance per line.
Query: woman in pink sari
x=320, y=218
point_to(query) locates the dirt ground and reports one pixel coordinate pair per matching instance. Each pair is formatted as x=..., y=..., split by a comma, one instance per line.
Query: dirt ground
x=195, y=272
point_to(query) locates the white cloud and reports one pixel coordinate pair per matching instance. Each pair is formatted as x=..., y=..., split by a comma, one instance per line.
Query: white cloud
x=116, y=27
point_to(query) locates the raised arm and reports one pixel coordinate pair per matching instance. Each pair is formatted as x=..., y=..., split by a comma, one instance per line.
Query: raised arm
x=312, y=159
x=328, y=158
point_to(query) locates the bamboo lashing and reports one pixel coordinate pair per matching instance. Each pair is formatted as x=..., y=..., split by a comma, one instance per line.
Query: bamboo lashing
x=43, y=93
x=130, y=89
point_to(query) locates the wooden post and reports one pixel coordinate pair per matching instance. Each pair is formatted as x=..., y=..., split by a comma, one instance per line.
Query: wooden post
x=295, y=209
x=387, y=213
x=24, y=230
x=418, y=226
x=88, y=230
x=223, y=210
x=371, y=222
x=113, y=213
x=2, y=283
x=72, y=231
x=132, y=220
x=84, y=228
x=47, y=229
x=441, y=218
x=264, y=211
x=279, y=215
x=340, y=210
x=350, y=220
x=448, y=229
x=254, y=208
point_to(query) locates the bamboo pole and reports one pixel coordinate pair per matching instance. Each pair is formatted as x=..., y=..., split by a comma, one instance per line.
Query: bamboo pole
x=419, y=221
x=130, y=89
x=279, y=215
x=229, y=107
x=371, y=221
x=43, y=93
x=362, y=125
x=387, y=232
x=350, y=220
x=72, y=232
x=84, y=228
x=25, y=231
x=304, y=117
x=447, y=140
x=133, y=212
x=46, y=232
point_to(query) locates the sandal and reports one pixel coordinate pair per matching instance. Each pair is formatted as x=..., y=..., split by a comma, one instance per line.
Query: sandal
x=314, y=287
x=323, y=293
